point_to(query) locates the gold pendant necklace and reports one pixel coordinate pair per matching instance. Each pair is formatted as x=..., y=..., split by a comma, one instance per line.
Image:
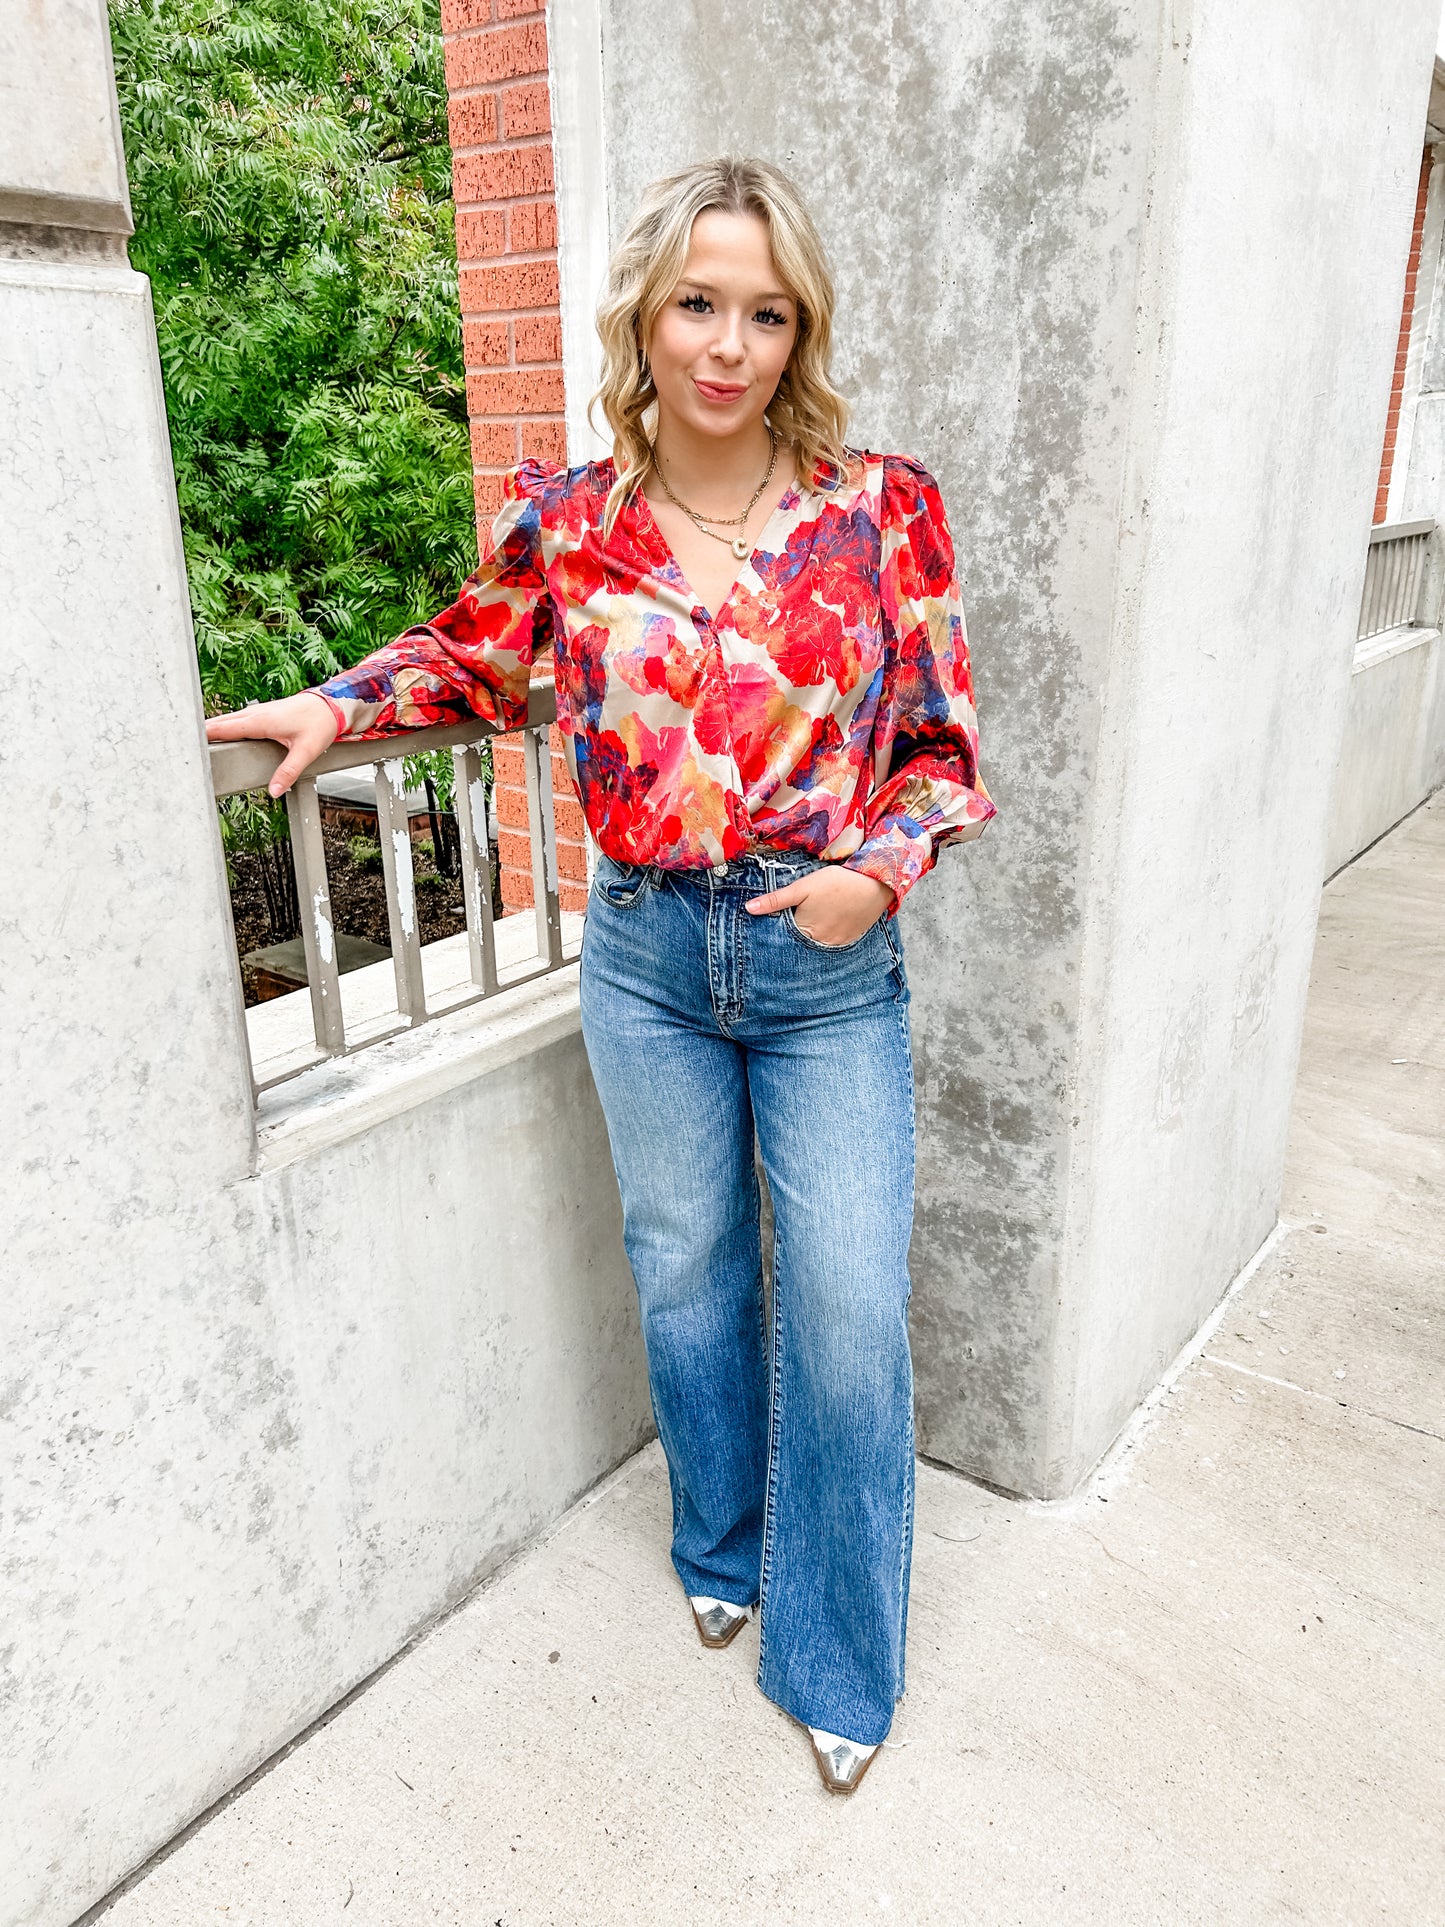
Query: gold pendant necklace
x=737, y=543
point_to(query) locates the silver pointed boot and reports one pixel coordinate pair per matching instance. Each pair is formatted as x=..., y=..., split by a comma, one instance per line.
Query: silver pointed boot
x=841, y=1763
x=718, y=1623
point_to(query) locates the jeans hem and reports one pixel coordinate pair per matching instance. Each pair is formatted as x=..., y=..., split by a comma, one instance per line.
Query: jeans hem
x=810, y=1712
x=712, y=1590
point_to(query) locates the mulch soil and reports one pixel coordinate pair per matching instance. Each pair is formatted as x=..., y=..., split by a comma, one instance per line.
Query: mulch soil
x=358, y=897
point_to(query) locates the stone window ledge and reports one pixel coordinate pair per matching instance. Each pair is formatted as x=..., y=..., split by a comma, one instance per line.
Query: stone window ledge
x=1391, y=642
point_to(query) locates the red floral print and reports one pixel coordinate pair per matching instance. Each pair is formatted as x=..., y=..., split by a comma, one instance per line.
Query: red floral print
x=826, y=707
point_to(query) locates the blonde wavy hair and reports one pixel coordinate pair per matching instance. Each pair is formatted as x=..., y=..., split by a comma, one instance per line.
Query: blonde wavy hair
x=807, y=409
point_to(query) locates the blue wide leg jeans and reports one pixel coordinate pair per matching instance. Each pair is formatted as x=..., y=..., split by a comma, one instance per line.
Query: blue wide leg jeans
x=786, y=1417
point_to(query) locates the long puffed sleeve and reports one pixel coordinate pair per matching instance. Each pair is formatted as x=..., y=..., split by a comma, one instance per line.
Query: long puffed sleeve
x=926, y=787
x=475, y=658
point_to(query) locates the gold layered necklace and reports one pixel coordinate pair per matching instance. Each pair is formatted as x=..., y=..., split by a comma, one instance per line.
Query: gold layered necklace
x=737, y=543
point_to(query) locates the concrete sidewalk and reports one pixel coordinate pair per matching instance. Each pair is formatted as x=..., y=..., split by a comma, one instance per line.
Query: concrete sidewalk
x=1207, y=1689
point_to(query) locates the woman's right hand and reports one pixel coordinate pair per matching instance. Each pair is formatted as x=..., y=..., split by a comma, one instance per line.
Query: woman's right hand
x=304, y=725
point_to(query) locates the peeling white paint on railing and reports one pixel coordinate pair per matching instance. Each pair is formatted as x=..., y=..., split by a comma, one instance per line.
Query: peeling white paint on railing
x=325, y=933
x=538, y=761
x=238, y=767
x=477, y=799
x=405, y=883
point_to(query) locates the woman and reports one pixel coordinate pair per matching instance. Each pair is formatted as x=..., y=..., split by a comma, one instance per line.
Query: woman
x=763, y=683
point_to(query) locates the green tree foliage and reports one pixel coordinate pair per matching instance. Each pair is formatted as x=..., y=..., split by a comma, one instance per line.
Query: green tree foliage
x=291, y=180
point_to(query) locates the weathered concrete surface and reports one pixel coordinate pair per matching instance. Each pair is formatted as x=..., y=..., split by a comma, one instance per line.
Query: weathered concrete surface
x=60, y=153
x=1393, y=753
x=258, y=1422
x=1202, y=1692
x=1136, y=302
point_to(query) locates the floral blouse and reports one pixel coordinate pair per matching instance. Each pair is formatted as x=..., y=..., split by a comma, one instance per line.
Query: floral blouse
x=827, y=706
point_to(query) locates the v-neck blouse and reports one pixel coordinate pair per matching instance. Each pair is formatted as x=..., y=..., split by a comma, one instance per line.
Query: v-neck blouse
x=826, y=707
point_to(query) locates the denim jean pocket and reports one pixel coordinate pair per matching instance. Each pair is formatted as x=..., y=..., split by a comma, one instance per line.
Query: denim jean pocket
x=795, y=930
x=620, y=884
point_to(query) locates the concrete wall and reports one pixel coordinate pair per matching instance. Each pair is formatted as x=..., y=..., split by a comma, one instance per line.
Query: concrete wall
x=265, y=1408
x=1393, y=753
x=1128, y=277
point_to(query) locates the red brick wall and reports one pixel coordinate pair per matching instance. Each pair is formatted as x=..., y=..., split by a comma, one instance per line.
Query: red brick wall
x=501, y=132
x=1402, y=345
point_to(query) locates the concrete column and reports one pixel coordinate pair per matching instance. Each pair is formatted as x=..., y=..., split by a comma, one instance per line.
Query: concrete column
x=126, y=1101
x=117, y=934
x=1127, y=276
x=268, y=1404
x=60, y=155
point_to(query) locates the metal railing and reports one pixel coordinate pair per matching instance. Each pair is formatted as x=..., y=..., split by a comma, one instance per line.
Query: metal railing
x=1394, y=574
x=238, y=767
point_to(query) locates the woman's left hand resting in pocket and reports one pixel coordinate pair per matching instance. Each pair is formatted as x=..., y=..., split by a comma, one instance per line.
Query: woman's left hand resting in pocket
x=833, y=906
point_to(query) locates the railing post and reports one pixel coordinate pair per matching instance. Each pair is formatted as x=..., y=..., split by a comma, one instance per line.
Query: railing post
x=393, y=832
x=544, y=843
x=476, y=849
x=318, y=933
